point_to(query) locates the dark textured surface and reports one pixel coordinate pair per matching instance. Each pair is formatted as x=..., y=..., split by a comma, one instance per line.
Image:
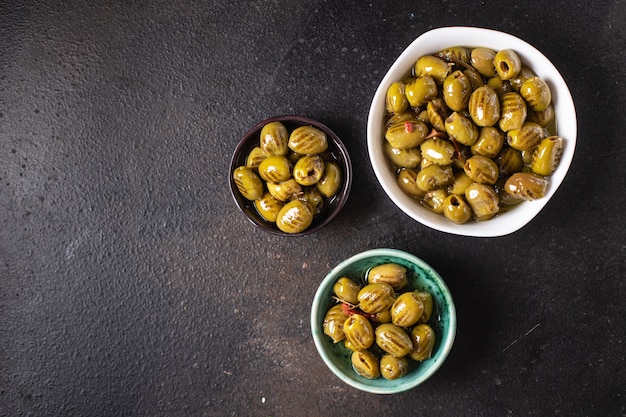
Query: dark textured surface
x=131, y=285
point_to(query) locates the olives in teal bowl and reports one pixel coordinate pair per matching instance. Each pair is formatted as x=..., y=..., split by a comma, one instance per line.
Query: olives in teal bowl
x=471, y=131
x=290, y=175
x=369, y=349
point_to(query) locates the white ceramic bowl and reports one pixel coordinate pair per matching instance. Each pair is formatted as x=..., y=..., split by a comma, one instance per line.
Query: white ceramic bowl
x=565, y=115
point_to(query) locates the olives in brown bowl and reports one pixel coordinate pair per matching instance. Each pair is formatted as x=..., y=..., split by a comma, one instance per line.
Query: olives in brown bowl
x=290, y=175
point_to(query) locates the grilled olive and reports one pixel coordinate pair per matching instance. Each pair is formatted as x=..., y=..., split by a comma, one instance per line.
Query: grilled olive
x=509, y=160
x=407, y=309
x=434, y=176
x=543, y=118
x=456, y=90
x=420, y=91
x=526, y=185
x=524, y=74
x=461, y=129
x=294, y=217
x=308, y=140
x=392, y=368
x=330, y=182
x=393, y=340
x=547, y=155
x=347, y=289
x=456, y=209
x=512, y=112
x=308, y=170
x=268, y=207
x=274, y=138
x=526, y=137
x=482, y=60
x=437, y=114
x=438, y=150
x=403, y=158
x=313, y=198
x=536, y=93
x=432, y=66
x=359, y=331
x=333, y=323
x=482, y=199
x=423, y=339
x=433, y=200
x=489, y=143
x=455, y=53
x=429, y=306
x=500, y=86
x=507, y=63
x=406, y=181
x=407, y=134
x=285, y=190
x=255, y=157
x=389, y=273
x=376, y=297
x=248, y=183
x=396, y=101
x=365, y=363
x=484, y=106
x=460, y=183
x=275, y=168
x=481, y=169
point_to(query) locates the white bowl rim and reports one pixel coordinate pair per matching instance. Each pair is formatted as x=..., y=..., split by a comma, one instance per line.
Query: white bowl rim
x=318, y=331
x=443, y=37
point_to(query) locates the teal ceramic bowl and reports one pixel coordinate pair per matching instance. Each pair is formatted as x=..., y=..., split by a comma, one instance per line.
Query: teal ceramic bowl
x=421, y=276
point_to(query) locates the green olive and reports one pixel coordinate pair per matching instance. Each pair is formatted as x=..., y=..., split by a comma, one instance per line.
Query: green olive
x=481, y=169
x=308, y=140
x=365, y=363
x=460, y=183
x=393, y=340
x=433, y=200
x=547, y=155
x=308, y=170
x=403, y=158
x=438, y=150
x=248, y=183
x=285, y=190
x=456, y=209
x=255, y=157
x=432, y=66
x=389, y=273
x=526, y=185
x=482, y=60
x=500, y=86
x=455, y=53
x=333, y=323
x=509, y=160
x=376, y=297
x=407, y=116
x=407, y=134
x=396, y=101
x=313, y=198
x=382, y=316
x=462, y=129
x=347, y=289
x=359, y=331
x=406, y=181
x=456, y=90
x=437, y=114
x=482, y=199
x=429, y=306
x=434, y=176
x=274, y=138
x=294, y=217
x=524, y=74
x=489, y=143
x=392, y=368
x=475, y=79
x=330, y=182
x=543, y=118
x=484, y=106
x=512, y=112
x=421, y=90
x=536, y=93
x=423, y=339
x=275, y=168
x=268, y=207
x=407, y=309
x=507, y=63
x=526, y=137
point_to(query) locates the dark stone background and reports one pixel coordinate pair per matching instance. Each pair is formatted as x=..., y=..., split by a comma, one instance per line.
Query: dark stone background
x=130, y=285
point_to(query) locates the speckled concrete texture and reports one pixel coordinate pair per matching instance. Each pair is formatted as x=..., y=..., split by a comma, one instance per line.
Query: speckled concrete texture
x=130, y=285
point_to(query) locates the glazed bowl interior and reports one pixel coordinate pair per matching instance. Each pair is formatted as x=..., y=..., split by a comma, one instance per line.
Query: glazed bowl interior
x=565, y=115
x=421, y=276
x=336, y=149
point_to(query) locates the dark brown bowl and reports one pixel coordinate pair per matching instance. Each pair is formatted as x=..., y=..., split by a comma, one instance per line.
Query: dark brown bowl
x=336, y=149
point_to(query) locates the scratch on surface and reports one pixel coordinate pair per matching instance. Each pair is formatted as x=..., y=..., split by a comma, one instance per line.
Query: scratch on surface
x=524, y=335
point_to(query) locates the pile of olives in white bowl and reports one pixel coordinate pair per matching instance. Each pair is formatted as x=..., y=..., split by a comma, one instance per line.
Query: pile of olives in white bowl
x=290, y=175
x=471, y=131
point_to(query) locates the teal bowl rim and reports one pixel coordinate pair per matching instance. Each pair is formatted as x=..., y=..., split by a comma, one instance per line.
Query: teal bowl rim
x=380, y=385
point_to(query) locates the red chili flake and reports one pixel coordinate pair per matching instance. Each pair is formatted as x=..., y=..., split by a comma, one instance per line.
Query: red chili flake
x=408, y=127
